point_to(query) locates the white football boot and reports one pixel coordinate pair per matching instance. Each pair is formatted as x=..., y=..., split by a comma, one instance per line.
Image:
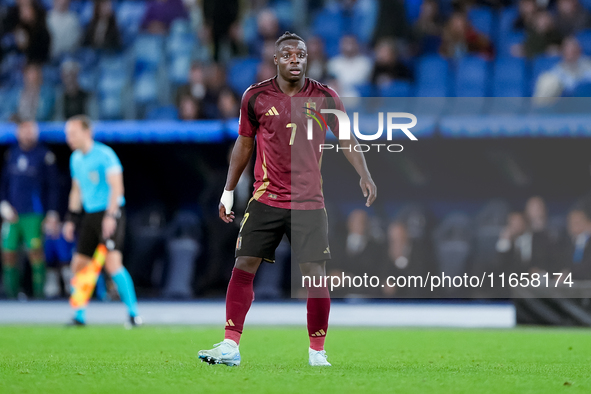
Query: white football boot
x=225, y=352
x=317, y=358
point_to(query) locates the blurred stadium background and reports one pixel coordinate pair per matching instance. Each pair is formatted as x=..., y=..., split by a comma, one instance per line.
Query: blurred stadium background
x=163, y=79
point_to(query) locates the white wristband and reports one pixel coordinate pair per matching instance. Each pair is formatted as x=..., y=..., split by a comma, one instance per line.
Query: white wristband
x=228, y=200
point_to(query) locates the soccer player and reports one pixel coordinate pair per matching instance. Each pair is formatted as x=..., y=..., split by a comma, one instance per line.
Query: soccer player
x=286, y=200
x=97, y=186
x=28, y=197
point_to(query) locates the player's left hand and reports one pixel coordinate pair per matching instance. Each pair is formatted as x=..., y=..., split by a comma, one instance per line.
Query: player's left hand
x=369, y=189
x=109, y=226
x=226, y=217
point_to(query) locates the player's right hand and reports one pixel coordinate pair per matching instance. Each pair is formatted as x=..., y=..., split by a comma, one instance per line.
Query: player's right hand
x=226, y=217
x=68, y=231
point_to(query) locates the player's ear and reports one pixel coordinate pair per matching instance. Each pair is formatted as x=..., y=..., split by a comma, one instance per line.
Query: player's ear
x=275, y=59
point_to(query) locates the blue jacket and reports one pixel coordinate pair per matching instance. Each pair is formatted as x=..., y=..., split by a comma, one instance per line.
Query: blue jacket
x=30, y=180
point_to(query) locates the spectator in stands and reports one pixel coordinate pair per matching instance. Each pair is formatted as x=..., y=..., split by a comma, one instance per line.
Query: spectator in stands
x=35, y=100
x=196, y=86
x=27, y=21
x=74, y=100
x=161, y=13
x=405, y=257
x=387, y=67
x=215, y=82
x=571, y=17
x=64, y=27
x=577, y=250
x=228, y=105
x=360, y=252
x=427, y=29
x=460, y=38
x=524, y=245
x=350, y=68
x=102, y=31
x=543, y=246
x=527, y=10
x=391, y=20
x=316, y=59
x=221, y=20
x=265, y=71
x=189, y=108
x=541, y=38
x=267, y=29
x=514, y=244
x=572, y=71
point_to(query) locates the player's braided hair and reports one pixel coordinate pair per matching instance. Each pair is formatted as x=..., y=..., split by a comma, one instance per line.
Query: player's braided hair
x=288, y=36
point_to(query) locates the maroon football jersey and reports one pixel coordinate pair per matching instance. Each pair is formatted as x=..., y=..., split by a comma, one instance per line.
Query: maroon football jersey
x=287, y=168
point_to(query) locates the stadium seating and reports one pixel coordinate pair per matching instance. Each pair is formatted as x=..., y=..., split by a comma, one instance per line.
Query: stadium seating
x=329, y=25
x=129, y=16
x=148, y=52
x=432, y=77
x=167, y=112
x=242, y=73
x=482, y=19
x=585, y=41
x=396, y=89
x=471, y=77
x=452, y=243
x=509, y=77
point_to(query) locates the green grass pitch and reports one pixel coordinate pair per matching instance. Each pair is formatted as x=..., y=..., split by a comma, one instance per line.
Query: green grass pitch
x=108, y=359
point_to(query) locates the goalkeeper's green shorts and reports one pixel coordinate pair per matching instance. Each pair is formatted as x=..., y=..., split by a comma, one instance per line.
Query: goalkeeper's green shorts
x=27, y=229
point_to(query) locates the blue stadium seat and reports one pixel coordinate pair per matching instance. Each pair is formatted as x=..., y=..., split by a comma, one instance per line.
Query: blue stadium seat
x=111, y=83
x=242, y=73
x=364, y=20
x=111, y=107
x=84, y=10
x=51, y=75
x=584, y=38
x=178, y=69
x=506, y=19
x=329, y=24
x=112, y=64
x=413, y=9
x=87, y=79
x=129, y=16
x=506, y=40
x=582, y=90
x=482, y=19
x=167, y=112
x=178, y=44
x=284, y=11
x=586, y=4
x=180, y=27
x=432, y=77
x=396, y=89
x=365, y=90
x=509, y=79
x=148, y=50
x=542, y=64
x=510, y=86
x=86, y=57
x=472, y=77
x=145, y=88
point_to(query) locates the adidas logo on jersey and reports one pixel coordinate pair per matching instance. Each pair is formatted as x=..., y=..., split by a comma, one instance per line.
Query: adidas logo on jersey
x=272, y=112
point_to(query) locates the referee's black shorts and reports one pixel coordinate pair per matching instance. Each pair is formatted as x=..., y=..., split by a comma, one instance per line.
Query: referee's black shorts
x=90, y=233
x=263, y=226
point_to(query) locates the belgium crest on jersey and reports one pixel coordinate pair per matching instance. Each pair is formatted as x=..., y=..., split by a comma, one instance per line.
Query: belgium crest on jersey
x=310, y=104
